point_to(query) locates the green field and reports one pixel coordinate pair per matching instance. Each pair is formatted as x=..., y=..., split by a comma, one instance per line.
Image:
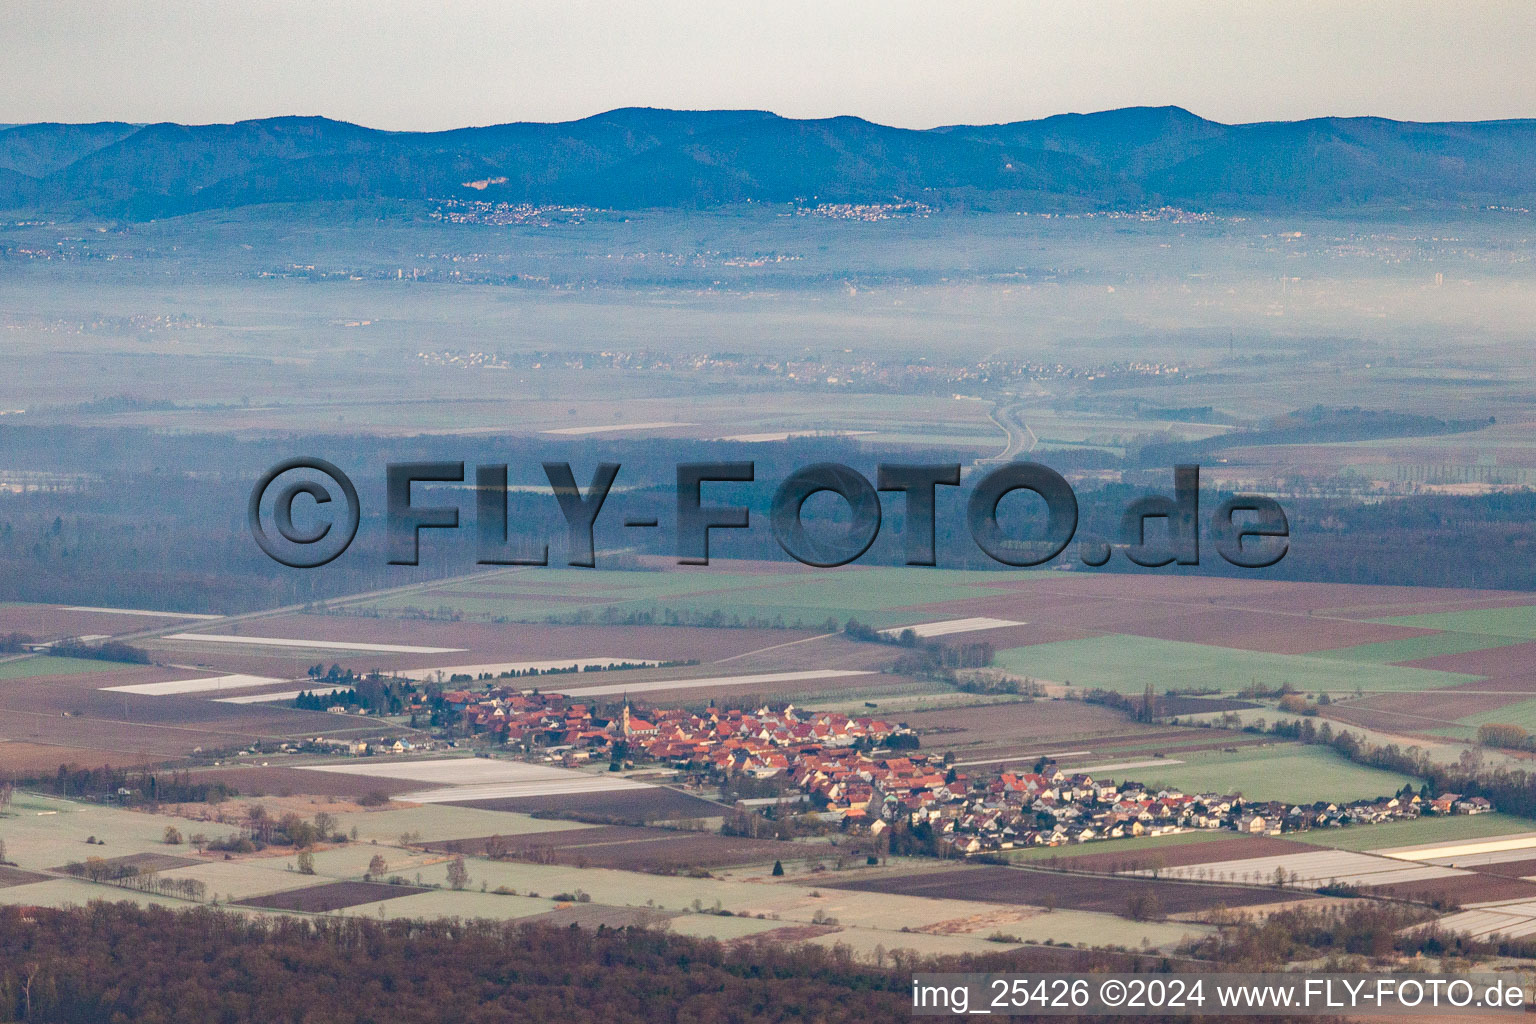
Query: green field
x=1521, y=713
x=1515, y=624
x=1415, y=647
x=871, y=595
x=28, y=668
x=1128, y=663
x=1412, y=833
x=1290, y=772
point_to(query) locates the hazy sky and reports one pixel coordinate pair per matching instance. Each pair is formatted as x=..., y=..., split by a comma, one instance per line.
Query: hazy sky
x=418, y=65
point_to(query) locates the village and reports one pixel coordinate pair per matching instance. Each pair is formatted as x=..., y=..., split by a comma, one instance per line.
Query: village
x=863, y=774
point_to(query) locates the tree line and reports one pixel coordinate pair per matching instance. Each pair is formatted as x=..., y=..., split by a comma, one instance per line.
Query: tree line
x=117, y=962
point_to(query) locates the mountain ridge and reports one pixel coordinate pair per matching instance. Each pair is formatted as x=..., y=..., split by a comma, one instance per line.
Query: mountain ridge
x=642, y=157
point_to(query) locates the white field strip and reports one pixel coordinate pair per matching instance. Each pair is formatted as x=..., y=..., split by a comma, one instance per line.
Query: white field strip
x=1316, y=868
x=1512, y=920
x=1422, y=873
x=1483, y=859
x=500, y=668
x=312, y=645
x=483, y=779
x=767, y=678
x=137, y=611
x=610, y=428
x=579, y=783
x=1119, y=766
x=232, y=682
x=1442, y=851
x=924, y=630
x=265, y=698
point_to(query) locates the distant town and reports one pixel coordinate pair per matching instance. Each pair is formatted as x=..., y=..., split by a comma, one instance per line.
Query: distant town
x=862, y=774
x=850, y=371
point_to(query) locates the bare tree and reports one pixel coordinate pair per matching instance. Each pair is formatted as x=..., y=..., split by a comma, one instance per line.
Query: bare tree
x=26, y=990
x=458, y=874
x=377, y=867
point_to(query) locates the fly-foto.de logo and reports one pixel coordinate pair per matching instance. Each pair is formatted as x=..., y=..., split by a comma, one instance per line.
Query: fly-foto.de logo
x=1248, y=531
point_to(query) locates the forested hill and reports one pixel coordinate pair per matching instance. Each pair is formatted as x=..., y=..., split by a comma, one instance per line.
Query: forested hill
x=643, y=158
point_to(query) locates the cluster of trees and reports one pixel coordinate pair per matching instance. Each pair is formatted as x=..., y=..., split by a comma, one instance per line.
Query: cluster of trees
x=335, y=675
x=781, y=821
x=925, y=659
x=129, y=787
x=262, y=829
x=15, y=643
x=939, y=661
x=374, y=691
x=315, y=700
x=1144, y=906
x=128, y=876
x=111, y=650
x=1365, y=928
x=1509, y=737
x=996, y=682
x=1145, y=708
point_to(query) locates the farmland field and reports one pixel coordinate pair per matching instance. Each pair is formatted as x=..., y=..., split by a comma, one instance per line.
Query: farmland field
x=205, y=684
x=653, y=803
x=144, y=862
x=10, y=876
x=466, y=779
x=1068, y=891
x=1129, y=663
x=29, y=668
x=1198, y=847
x=1288, y=771
x=1493, y=849
x=1520, y=712
x=240, y=640
x=870, y=594
x=1317, y=866
x=43, y=622
x=763, y=681
x=619, y=846
x=1512, y=624
x=1036, y=723
x=66, y=892
x=1391, y=835
x=328, y=896
x=1476, y=887
x=229, y=880
x=1415, y=648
